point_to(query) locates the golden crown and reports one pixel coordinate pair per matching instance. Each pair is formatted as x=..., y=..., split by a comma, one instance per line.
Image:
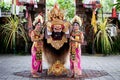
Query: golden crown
x=55, y=13
x=56, y=17
x=77, y=19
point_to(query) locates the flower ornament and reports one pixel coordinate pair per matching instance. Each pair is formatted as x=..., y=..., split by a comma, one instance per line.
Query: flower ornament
x=38, y=19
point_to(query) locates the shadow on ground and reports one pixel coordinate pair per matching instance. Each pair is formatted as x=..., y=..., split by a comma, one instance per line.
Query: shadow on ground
x=87, y=74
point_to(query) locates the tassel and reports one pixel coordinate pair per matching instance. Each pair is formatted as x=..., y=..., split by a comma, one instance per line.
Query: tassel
x=114, y=15
x=93, y=22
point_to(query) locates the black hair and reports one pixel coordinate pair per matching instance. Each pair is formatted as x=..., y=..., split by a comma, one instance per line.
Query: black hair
x=76, y=22
x=80, y=27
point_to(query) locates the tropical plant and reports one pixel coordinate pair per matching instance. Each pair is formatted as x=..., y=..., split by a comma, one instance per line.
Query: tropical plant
x=107, y=5
x=5, y=6
x=117, y=5
x=103, y=41
x=116, y=45
x=67, y=5
x=12, y=30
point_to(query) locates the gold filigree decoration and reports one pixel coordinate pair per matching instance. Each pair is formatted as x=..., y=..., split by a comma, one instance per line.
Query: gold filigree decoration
x=57, y=68
x=55, y=13
x=57, y=44
x=56, y=17
x=77, y=19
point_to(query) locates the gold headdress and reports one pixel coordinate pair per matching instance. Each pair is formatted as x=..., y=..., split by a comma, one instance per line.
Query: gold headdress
x=77, y=19
x=55, y=13
x=56, y=17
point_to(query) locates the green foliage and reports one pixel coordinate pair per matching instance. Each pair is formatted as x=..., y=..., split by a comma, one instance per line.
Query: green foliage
x=117, y=5
x=107, y=5
x=4, y=6
x=103, y=41
x=116, y=45
x=67, y=5
x=12, y=30
x=69, y=8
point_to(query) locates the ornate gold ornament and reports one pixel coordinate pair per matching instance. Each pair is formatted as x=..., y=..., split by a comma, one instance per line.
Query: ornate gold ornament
x=77, y=19
x=39, y=18
x=56, y=17
x=55, y=13
x=57, y=44
x=57, y=69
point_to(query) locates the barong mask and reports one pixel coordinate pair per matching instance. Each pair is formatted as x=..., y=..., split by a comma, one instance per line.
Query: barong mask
x=57, y=28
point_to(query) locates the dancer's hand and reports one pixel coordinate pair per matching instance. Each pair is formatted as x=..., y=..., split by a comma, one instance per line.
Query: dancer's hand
x=72, y=38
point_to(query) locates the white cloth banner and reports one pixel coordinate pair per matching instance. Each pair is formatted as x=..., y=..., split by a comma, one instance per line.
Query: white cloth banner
x=13, y=9
x=29, y=1
x=119, y=16
x=86, y=1
x=0, y=13
x=17, y=10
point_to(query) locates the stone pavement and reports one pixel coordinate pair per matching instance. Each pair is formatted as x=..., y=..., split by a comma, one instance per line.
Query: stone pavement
x=94, y=68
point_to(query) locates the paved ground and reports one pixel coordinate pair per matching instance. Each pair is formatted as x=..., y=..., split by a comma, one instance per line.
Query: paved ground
x=94, y=68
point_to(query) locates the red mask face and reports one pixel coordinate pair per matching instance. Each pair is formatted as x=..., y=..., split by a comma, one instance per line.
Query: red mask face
x=57, y=28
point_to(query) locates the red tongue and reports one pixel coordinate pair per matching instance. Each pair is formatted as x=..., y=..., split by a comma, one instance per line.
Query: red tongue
x=57, y=66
